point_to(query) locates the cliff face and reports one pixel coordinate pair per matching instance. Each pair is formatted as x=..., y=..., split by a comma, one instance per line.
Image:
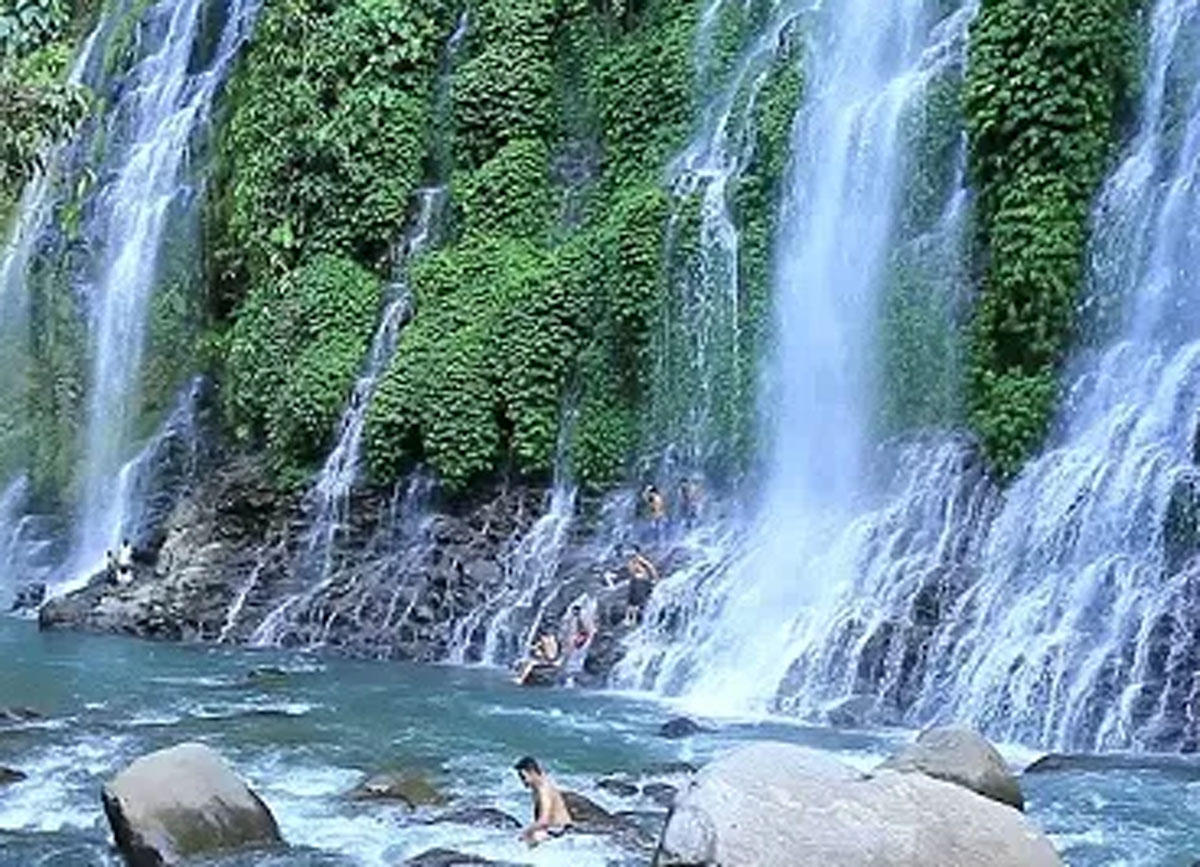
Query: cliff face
x=407, y=578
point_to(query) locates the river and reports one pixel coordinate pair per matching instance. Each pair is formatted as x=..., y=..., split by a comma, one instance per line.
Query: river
x=306, y=737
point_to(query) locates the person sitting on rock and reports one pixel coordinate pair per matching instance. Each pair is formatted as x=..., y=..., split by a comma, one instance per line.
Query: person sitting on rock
x=545, y=651
x=551, y=818
x=580, y=629
x=125, y=562
x=642, y=575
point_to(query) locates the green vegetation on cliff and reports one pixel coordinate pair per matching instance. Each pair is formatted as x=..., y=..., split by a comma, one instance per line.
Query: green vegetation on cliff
x=1046, y=88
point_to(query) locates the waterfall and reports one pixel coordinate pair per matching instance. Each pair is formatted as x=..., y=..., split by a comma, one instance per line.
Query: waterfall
x=1080, y=632
x=896, y=583
x=726, y=630
x=163, y=107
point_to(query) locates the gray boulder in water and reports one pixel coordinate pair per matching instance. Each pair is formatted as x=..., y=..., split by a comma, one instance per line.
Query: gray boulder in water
x=963, y=757
x=182, y=802
x=779, y=805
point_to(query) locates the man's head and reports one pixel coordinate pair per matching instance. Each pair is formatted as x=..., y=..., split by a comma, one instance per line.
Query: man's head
x=575, y=609
x=529, y=771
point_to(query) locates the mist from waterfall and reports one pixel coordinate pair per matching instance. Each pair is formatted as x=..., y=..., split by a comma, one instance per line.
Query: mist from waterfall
x=867, y=65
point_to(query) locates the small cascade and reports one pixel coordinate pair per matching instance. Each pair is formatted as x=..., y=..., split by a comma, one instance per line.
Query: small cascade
x=375, y=594
x=726, y=630
x=511, y=622
x=328, y=501
x=702, y=390
x=12, y=502
x=330, y=494
x=163, y=107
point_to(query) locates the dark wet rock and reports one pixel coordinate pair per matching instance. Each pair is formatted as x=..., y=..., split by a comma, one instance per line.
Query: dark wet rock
x=669, y=769
x=588, y=816
x=19, y=715
x=29, y=597
x=1181, y=523
x=962, y=757
x=450, y=858
x=619, y=787
x=478, y=817
x=544, y=675
x=681, y=727
x=267, y=676
x=408, y=787
x=10, y=775
x=183, y=802
x=662, y=794
x=852, y=712
x=1184, y=768
x=779, y=805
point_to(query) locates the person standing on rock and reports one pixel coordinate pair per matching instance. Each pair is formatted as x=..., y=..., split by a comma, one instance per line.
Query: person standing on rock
x=656, y=508
x=125, y=562
x=551, y=818
x=642, y=576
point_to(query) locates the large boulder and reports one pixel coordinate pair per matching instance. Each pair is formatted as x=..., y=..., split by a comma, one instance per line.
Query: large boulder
x=181, y=802
x=963, y=757
x=778, y=805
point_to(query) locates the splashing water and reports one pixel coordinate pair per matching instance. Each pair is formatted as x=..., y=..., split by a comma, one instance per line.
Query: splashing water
x=1080, y=631
x=165, y=105
x=868, y=64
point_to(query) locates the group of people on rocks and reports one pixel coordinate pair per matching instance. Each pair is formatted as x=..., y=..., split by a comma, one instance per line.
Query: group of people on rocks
x=555, y=651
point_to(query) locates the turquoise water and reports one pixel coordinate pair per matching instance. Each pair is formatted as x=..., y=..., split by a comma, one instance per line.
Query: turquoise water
x=305, y=739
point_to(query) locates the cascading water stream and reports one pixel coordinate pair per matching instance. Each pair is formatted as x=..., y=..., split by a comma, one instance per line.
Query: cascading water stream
x=331, y=492
x=329, y=497
x=868, y=66
x=165, y=105
x=1061, y=613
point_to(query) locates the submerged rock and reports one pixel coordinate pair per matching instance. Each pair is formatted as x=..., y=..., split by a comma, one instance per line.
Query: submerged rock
x=267, y=676
x=182, y=802
x=779, y=805
x=963, y=757
x=662, y=794
x=1185, y=768
x=478, y=817
x=681, y=727
x=617, y=786
x=19, y=715
x=10, y=775
x=410, y=788
x=450, y=858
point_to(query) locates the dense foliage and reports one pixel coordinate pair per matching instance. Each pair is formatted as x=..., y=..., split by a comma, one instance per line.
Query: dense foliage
x=533, y=313
x=296, y=343
x=1046, y=87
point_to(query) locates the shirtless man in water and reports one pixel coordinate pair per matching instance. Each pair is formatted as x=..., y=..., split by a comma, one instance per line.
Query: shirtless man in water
x=551, y=818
